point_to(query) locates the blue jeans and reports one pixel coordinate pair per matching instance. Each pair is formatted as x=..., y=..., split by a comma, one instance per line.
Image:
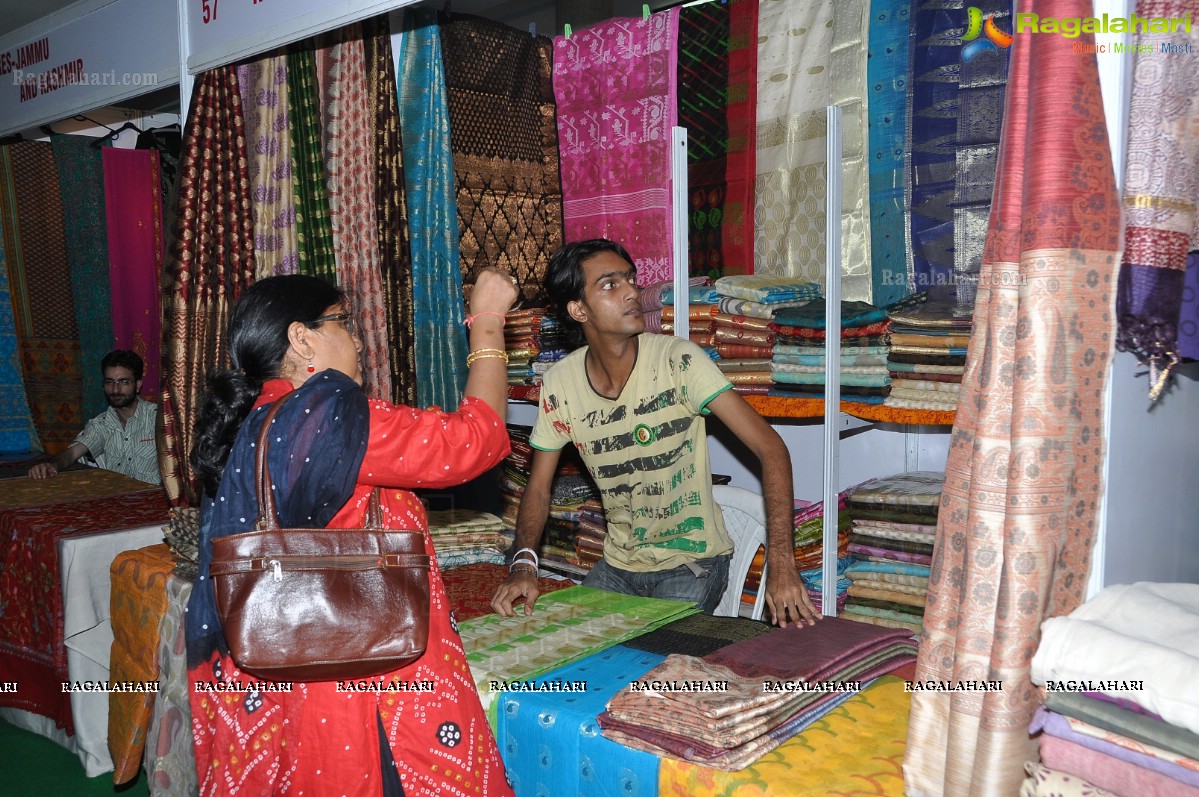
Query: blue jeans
x=676, y=584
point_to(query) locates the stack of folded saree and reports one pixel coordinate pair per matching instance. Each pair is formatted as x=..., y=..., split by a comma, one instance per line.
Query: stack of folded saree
x=468, y=537
x=1121, y=713
x=894, y=526
x=553, y=348
x=700, y=325
x=928, y=353
x=799, y=362
x=522, y=343
x=657, y=301
x=808, y=523
x=743, y=337
x=728, y=708
x=592, y=531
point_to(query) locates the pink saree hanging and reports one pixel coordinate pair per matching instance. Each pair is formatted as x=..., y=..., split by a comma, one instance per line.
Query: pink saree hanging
x=135, y=256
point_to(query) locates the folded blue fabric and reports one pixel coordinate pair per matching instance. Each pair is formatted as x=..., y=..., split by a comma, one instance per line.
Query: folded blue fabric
x=902, y=568
x=698, y=294
x=551, y=743
x=812, y=315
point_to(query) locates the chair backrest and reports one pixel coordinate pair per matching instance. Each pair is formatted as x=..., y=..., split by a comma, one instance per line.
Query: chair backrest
x=744, y=514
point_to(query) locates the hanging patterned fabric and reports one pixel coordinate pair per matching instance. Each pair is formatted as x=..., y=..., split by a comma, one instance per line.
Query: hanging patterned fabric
x=935, y=45
x=1161, y=189
x=348, y=126
x=886, y=79
x=40, y=287
x=615, y=86
x=847, y=63
x=1023, y=480
x=737, y=231
x=982, y=86
x=17, y=434
x=81, y=177
x=265, y=103
x=314, y=235
x=703, y=82
x=211, y=262
x=505, y=143
x=133, y=196
x=391, y=208
x=794, y=88
x=440, y=343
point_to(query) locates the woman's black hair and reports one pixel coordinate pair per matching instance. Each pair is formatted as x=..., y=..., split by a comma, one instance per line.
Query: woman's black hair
x=564, y=281
x=257, y=343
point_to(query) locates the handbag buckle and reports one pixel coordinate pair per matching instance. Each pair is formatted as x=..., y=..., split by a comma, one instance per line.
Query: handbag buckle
x=277, y=569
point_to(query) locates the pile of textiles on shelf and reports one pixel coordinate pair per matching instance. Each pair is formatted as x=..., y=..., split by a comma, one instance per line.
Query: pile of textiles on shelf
x=701, y=324
x=1121, y=712
x=533, y=343
x=657, y=300
x=809, y=555
x=574, y=532
x=816, y=668
x=742, y=333
x=894, y=525
x=468, y=537
x=928, y=352
x=799, y=363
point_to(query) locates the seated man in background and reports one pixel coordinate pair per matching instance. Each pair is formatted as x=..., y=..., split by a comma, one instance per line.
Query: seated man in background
x=633, y=403
x=123, y=434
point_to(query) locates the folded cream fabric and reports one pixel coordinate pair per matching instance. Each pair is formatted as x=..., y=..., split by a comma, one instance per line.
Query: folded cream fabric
x=1147, y=633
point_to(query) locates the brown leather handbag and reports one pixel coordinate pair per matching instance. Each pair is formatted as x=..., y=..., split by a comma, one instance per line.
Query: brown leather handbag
x=320, y=604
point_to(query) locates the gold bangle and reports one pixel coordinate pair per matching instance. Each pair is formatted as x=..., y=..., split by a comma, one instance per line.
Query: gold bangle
x=486, y=354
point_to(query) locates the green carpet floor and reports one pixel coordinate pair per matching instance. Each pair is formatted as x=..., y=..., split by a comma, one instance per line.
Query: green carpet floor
x=34, y=766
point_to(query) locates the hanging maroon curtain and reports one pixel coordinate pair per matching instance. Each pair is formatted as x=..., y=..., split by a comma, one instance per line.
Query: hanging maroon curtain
x=1022, y=484
x=133, y=200
x=211, y=262
x=741, y=165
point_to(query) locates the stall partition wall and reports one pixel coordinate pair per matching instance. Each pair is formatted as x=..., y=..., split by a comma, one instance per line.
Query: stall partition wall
x=1151, y=506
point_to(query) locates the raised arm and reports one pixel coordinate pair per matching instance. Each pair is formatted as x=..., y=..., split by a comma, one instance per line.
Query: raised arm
x=785, y=593
x=487, y=379
x=530, y=523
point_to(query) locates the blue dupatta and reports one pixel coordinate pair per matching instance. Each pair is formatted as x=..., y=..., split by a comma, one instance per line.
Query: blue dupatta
x=314, y=457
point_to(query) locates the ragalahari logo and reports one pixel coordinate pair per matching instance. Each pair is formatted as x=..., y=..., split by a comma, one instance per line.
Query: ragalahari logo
x=995, y=40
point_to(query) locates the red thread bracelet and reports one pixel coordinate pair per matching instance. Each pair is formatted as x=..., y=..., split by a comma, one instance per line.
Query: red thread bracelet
x=470, y=319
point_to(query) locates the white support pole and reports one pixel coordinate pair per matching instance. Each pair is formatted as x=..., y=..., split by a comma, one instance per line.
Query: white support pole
x=678, y=198
x=832, y=357
x=186, y=79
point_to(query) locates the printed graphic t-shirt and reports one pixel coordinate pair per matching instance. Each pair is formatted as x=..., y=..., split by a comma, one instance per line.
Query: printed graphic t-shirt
x=647, y=451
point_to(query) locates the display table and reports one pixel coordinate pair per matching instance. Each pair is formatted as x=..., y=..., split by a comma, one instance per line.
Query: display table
x=58, y=538
x=552, y=745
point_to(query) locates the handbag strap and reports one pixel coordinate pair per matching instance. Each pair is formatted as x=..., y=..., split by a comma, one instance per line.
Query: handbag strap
x=268, y=516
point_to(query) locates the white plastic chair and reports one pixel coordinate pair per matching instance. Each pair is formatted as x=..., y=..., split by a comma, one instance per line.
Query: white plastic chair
x=744, y=514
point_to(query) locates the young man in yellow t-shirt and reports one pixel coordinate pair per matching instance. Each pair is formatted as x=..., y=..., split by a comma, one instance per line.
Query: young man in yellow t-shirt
x=633, y=404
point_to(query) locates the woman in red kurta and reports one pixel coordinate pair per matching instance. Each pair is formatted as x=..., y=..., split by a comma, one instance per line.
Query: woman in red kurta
x=427, y=734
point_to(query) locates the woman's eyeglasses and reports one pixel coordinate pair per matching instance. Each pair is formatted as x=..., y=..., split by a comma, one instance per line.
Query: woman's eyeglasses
x=345, y=319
